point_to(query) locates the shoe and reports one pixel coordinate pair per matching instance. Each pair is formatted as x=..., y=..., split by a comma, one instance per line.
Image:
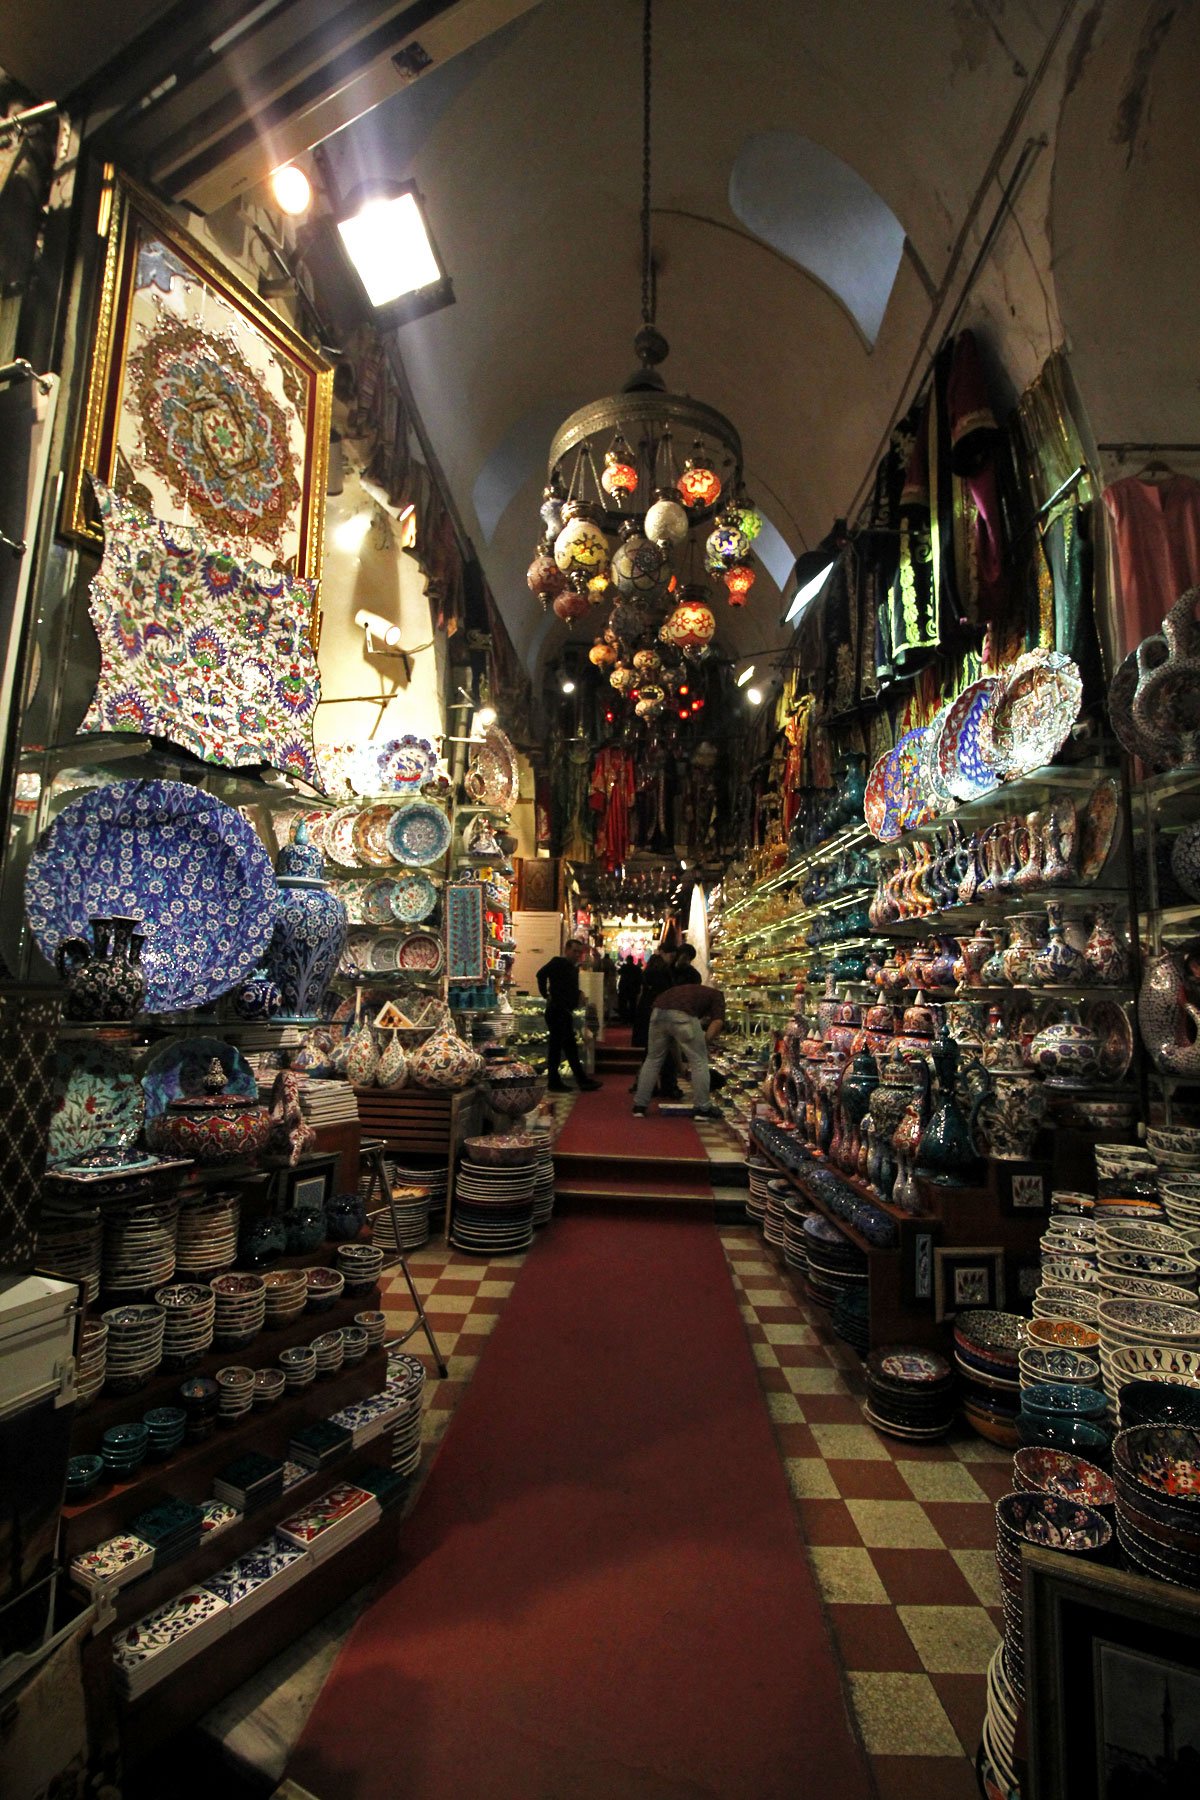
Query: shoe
x=639, y=1112
x=706, y=1112
x=587, y=1086
x=557, y=1087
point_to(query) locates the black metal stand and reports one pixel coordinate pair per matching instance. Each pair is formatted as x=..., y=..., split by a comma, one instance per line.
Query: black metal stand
x=371, y=1153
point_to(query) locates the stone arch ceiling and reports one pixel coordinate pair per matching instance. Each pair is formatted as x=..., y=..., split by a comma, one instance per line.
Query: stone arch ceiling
x=529, y=159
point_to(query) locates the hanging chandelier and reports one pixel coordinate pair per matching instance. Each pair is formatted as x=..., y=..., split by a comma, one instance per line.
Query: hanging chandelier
x=643, y=503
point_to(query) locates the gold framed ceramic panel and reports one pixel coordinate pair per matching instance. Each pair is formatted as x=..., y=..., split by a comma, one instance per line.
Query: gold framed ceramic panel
x=112, y=440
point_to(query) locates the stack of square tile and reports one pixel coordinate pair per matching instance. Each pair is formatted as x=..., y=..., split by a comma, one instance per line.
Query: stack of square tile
x=249, y=1481
x=367, y=1419
x=172, y=1527
x=319, y=1444
x=493, y=1208
x=206, y=1235
x=339, y=1516
x=166, y=1638
x=113, y=1564
x=406, y=1382
x=217, y=1516
x=260, y=1576
x=389, y=1488
x=910, y=1393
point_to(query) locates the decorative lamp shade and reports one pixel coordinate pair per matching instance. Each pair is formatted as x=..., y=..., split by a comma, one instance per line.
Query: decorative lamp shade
x=699, y=485
x=622, y=678
x=570, y=606
x=581, y=547
x=649, y=701
x=726, y=545
x=647, y=663
x=602, y=655
x=629, y=620
x=639, y=568
x=690, y=626
x=551, y=510
x=739, y=580
x=746, y=518
x=599, y=590
x=619, y=477
x=545, y=578
x=666, y=521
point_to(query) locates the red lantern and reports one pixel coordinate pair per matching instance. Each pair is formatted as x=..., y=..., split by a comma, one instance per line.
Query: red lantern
x=690, y=627
x=699, y=485
x=545, y=578
x=739, y=580
x=569, y=606
x=618, y=477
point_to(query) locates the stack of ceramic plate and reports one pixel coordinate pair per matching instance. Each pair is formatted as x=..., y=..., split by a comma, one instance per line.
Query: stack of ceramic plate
x=241, y=1307
x=493, y=1209
x=1138, y=1324
x=236, y=1388
x=139, y=1246
x=1147, y=1262
x=166, y=1426
x=434, y=1178
x=1157, y=1474
x=1038, y=1469
x=299, y=1365
x=543, y=1177
x=1055, y=1523
x=410, y=1210
x=189, y=1311
x=851, y=1318
x=70, y=1243
x=286, y=1293
x=1037, y=1363
x=207, y=1235
x=1175, y=1149
x=758, y=1173
x=1067, y=1300
x=359, y=1266
x=834, y=1263
x=134, y=1350
x=795, y=1251
x=123, y=1448
x=374, y=1324
x=1000, y=1728
x=910, y=1393
x=92, y=1360
x=987, y=1348
x=329, y=1352
x=779, y=1192
x=406, y=1383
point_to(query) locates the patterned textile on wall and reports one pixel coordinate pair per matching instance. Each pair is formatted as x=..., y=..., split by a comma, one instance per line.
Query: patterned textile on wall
x=201, y=647
x=464, y=931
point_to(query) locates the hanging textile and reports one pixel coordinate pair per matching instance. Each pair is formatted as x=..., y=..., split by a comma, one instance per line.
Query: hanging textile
x=976, y=445
x=909, y=631
x=1067, y=555
x=613, y=791
x=1156, y=530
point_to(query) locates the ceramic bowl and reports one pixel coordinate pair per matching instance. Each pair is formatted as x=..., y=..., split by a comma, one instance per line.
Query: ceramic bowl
x=268, y=1386
x=1152, y=1265
x=1063, y=1399
x=502, y=1149
x=374, y=1324
x=1038, y=1364
x=355, y=1343
x=1163, y=1458
x=986, y=1333
x=1160, y=1403
x=325, y=1286
x=1041, y=1470
x=1052, y=1521
x=1131, y=1236
x=83, y=1472
x=1062, y=1334
x=1184, y=1139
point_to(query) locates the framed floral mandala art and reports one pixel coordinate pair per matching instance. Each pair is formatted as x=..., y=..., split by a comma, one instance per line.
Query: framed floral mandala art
x=204, y=407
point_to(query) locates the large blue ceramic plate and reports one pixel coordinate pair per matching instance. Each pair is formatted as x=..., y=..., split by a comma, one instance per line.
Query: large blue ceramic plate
x=185, y=864
x=418, y=834
x=178, y=1068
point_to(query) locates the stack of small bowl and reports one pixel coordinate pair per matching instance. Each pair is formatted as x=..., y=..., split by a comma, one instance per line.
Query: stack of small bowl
x=1146, y=1262
x=299, y=1365
x=1180, y=1196
x=1152, y=1401
x=134, y=1349
x=268, y=1386
x=1175, y=1149
x=329, y=1352
x=241, y=1308
x=1142, y=1324
x=355, y=1343
x=1064, y=1416
x=359, y=1266
x=374, y=1324
x=1039, y=1469
x=1157, y=1474
x=189, y=1310
x=166, y=1426
x=286, y=1295
x=910, y=1393
x=406, y=1383
x=1039, y=1363
x=1055, y=1523
x=207, y=1235
x=92, y=1361
x=325, y=1286
x=124, y=1448
x=1139, y=1363
x=83, y=1472
x=201, y=1399
x=987, y=1347
x=236, y=1386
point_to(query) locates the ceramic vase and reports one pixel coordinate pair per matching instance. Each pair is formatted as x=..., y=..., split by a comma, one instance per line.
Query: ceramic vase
x=392, y=1068
x=1185, y=861
x=1022, y=951
x=1059, y=963
x=310, y=931
x=1012, y=1110
x=104, y=979
x=858, y=1084
x=362, y=1057
x=886, y=1107
x=210, y=1128
x=1029, y=875
x=1168, y=1021
x=1166, y=701
x=444, y=1061
x=945, y=1151
x=1105, y=956
x=258, y=997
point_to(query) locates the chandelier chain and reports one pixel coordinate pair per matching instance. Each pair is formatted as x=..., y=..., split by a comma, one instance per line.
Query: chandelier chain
x=647, y=261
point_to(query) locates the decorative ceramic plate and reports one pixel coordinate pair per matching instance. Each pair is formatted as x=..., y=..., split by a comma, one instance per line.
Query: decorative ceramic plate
x=875, y=799
x=179, y=1066
x=383, y=955
x=904, y=778
x=185, y=864
x=1101, y=828
x=97, y=1102
x=962, y=766
x=1114, y=1029
x=378, y=904
x=353, y=896
x=909, y=1365
x=338, y=837
x=934, y=787
x=405, y=763
x=1032, y=719
x=418, y=833
x=414, y=897
x=492, y=777
x=421, y=953
x=356, y=955
x=316, y=820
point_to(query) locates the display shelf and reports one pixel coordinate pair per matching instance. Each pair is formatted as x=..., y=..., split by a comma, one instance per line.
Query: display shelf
x=1011, y=906
x=1168, y=785
x=261, y=1352
x=153, y=761
x=189, y=1473
x=1003, y=801
x=851, y=837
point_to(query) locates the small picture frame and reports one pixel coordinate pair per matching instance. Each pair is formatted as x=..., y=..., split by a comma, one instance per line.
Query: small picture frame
x=310, y=1181
x=964, y=1278
x=1112, y=1680
x=917, y=1241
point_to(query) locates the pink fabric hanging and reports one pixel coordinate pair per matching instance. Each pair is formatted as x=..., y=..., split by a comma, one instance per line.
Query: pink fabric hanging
x=1157, y=532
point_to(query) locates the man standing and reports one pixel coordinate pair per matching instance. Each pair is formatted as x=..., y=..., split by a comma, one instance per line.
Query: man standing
x=691, y=1016
x=558, y=984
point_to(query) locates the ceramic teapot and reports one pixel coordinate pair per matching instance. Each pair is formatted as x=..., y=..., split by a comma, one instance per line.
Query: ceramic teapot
x=104, y=978
x=1066, y=1050
x=1166, y=701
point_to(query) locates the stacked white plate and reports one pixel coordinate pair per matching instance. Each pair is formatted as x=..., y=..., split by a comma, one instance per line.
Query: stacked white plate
x=493, y=1209
x=1142, y=1325
x=779, y=1192
x=134, y=1348
x=92, y=1360
x=795, y=1253
x=189, y=1309
x=1180, y=1196
x=286, y=1295
x=1062, y=1300
x=237, y=1392
x=70, y=1243
x=758, y=1174
x=207, y=1234
x=139, y=1246
x=241, y=1307
x=329, y=1352
x=410, y=1204
x=406, y=1383
x=1000, y=1723
x=543, y=1178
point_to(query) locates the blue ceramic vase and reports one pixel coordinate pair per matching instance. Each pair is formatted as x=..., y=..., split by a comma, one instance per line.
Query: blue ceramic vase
x=310, y=931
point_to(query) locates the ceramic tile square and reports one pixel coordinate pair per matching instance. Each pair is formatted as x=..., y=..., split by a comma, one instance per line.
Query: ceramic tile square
x=794, y=1439
x=846, y=1575
x=494, y=1289
x=922, y=1578
x=868, y=1481
x=785, y=1409
x=893, y=1525
x=974, y=1449
x=950, y=1640
x=942, y=1481
x=901, y=1715
x=809, y=1478
x=871, y=1637
x=963, y=1526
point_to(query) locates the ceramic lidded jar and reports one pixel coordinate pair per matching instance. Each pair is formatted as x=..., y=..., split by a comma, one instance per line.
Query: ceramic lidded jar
x=1067, y=1050
x=1014, y=1106
x=310, y=931
x=212, y=1127
x=1022, y=951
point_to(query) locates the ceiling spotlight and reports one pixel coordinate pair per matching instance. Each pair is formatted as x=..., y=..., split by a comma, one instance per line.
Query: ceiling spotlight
x=745, y=675
x=351, y=534
x=486, y=716
x=387, y=239
x=754, y=696
x=683, y=863
x=291, y=190
x=568, y=686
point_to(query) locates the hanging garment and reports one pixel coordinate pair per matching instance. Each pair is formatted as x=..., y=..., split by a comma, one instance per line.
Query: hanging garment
x=613, y=791
x=910, y=630
x=1067, y=550
x=1156, y=527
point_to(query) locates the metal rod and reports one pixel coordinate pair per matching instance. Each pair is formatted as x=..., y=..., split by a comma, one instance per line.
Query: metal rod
x=1121, y=448
x=1060, y=493
x=17, y=124
x=21, y=370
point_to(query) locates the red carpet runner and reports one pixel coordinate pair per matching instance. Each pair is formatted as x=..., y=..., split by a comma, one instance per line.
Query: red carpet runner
x=602, y=1124
x=602, y=1595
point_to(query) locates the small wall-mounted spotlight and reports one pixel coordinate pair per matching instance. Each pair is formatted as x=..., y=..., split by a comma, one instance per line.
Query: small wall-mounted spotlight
x=754, y=696
x=291, y=190
x=485, y=716
x=568, y=686
x=381, y=633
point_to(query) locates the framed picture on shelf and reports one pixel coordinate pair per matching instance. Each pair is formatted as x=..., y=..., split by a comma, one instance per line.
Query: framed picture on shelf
x=966, y=1277
x=918, y=1239
x=203, y=406
x=1113, y=1682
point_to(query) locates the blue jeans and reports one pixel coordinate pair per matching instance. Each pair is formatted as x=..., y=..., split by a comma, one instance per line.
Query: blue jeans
x=667, y=1027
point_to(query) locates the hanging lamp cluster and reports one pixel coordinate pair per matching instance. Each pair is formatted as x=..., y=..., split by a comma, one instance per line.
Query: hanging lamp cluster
x=631, y=519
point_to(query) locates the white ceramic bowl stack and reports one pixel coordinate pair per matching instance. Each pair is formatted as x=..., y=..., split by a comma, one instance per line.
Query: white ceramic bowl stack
x=241, y=1307
x=1180, y=1196
x=139, y=1246
x=189, y=1309
x=286, y=1295
x=237, y=1392
x=299, y=1365
x=207, y=1234
x=355, y=1343
x=359, y=1266
x=91, y=1362
x=1142, y=1325
x=1156, y=1362
x=1039, y=1364
x=268, y=1386
x=329, y=1350
x=375, y=1326
x=134, y=1349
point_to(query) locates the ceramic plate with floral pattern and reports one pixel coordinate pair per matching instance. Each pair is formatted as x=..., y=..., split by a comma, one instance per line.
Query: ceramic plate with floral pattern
x=1114, y=1029
x=421, y=953
x=875, y=799
x=338, y=837
x=418, y=834
x=962, y=766
x=1100, y=828
x=405, y=763
x=904, y=779
x=414, y=897
x=97, y=1104
x=1032, y=719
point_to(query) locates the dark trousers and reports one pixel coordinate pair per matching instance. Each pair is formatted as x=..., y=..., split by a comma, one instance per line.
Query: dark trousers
x=560, y=1034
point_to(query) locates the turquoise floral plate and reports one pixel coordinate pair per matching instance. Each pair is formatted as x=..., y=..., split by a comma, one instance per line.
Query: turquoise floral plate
x=97, y=1105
